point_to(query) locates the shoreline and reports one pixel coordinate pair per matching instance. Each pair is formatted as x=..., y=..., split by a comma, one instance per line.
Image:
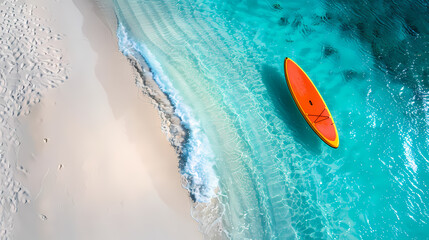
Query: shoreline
x=53, y=164
x=171, y=125
x=207, y=214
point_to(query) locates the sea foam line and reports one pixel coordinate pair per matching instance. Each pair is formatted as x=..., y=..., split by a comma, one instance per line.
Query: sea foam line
x=197, y=156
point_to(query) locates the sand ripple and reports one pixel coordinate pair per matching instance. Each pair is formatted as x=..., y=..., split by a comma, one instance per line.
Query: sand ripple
x=30, y=63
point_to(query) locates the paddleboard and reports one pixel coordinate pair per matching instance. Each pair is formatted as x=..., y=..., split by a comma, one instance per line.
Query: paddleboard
x=310, y=103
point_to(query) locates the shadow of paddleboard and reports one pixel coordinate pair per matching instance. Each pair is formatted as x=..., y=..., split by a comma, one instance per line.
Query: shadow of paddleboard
x=287, y=110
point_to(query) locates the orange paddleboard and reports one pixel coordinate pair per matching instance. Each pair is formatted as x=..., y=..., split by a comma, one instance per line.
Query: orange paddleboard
x=310, y=103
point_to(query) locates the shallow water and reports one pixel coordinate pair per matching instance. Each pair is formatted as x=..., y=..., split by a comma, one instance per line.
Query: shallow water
x=221, y=65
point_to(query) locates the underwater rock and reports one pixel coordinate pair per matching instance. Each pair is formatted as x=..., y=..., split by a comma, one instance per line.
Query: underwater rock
x=277, y=6
x=329, y=51
x=350, y=74
x=283, y=21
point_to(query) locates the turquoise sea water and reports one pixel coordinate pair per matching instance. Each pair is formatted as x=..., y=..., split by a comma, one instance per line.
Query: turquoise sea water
x=221, y=65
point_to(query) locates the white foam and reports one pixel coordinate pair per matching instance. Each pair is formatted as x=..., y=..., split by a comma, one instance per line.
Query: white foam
x=199, y=157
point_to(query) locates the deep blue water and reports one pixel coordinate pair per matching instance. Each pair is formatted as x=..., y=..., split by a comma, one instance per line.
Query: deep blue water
x=221, y=64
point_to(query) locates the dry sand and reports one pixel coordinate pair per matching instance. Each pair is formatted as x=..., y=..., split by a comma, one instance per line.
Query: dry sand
x=95, y=161
x=30, y=64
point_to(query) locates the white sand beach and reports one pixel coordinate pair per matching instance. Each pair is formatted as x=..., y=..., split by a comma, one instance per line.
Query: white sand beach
x=92, y=155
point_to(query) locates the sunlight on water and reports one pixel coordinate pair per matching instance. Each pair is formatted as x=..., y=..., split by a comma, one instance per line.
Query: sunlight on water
x=221, y=63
